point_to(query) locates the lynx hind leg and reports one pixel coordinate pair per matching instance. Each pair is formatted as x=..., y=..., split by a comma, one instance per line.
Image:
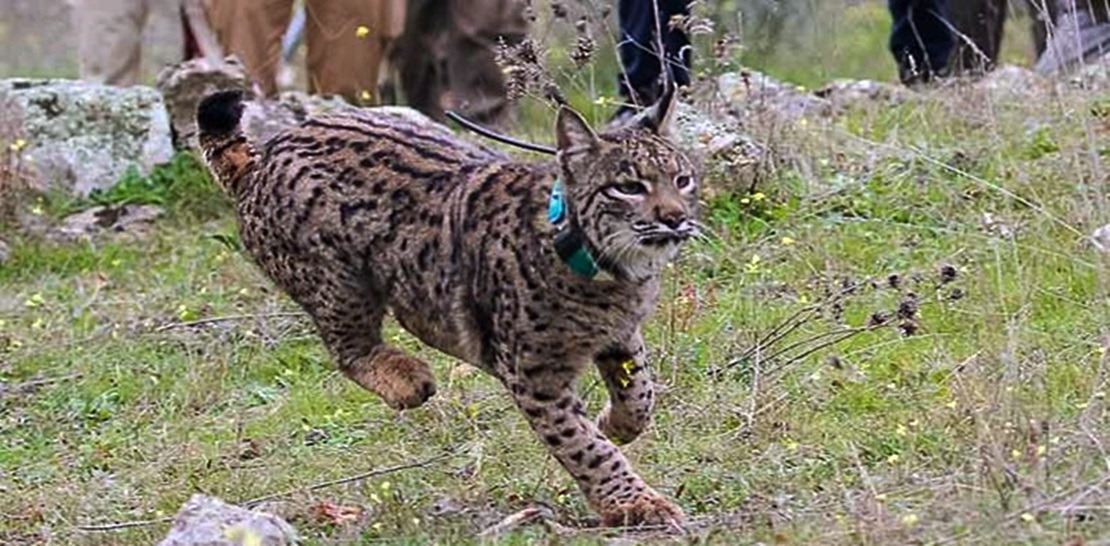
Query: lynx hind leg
x=624, y=369
x=348, y=317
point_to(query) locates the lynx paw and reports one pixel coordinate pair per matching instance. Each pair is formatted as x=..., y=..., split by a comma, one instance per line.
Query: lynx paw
x=400, y=380
x=648, y=508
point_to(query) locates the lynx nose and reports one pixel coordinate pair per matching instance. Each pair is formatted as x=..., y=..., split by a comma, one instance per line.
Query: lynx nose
x=673, y=218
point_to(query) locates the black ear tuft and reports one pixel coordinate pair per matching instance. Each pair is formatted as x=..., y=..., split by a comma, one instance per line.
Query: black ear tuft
x=657, y=117
x=218, y=114
x=572, y=133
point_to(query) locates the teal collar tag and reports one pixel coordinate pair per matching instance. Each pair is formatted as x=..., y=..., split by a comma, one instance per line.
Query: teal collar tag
x=570, y=242
x=556, y=206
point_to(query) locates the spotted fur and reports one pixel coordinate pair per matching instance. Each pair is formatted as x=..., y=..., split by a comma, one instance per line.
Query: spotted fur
x=354, y=215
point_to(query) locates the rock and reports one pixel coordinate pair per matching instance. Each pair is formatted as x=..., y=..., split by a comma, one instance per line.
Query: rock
x=754, y=92
x=1013, y=82
x=1101, y=238
x=734, y=153
x=696, y=131
x=83, y=136
x=264, y=118
x=843, y=95
x=183, y=85
x=3, y=252
x=1093, y=76
x=209, y=521
x=133, y=220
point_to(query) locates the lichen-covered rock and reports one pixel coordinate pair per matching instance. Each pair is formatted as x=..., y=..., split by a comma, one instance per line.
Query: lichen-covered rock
x=1092, y=76
x=183, y=85
x=263, y=119
x=843, y=95
x=1101, y=238
x=209, y=521
x=721, y=143
x=749, y=92
x=82, y=136
x=1011, y=82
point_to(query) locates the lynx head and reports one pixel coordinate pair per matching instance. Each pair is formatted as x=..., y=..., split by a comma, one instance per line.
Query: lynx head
x=632, y=192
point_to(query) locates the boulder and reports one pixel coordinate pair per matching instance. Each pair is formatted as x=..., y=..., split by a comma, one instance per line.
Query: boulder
x=183, y=85
x=843, y=95
x=695, y=130
x=82, y=136
x=1009, y=82
x=752, y=92
x=1101, y=238
x=212, y=522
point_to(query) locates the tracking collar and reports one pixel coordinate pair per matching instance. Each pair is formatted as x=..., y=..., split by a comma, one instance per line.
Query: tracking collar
x=570, y=241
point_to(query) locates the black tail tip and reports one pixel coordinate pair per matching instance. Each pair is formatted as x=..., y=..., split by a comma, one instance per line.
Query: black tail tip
x=219, y=113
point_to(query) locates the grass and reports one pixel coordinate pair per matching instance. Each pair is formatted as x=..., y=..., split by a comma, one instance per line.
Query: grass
x=988, y=425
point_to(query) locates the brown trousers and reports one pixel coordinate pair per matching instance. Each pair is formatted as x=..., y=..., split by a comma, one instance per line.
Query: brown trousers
x=341, y=60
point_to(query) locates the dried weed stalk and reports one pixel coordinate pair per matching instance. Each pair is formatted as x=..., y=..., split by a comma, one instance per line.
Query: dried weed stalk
x=15, y=177
x=776, y=350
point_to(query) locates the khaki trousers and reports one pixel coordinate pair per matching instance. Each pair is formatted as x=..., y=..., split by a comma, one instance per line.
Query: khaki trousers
x=109, y=39
x=341, y=60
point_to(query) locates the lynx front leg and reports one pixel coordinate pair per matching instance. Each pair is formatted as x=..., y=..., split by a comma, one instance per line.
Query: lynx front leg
x=623, y=367
x=611, y=487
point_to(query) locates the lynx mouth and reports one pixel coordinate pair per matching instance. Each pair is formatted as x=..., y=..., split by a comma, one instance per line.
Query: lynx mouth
x=665, y=239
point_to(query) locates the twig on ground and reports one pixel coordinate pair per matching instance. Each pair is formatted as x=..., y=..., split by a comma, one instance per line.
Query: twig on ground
x=122, y=525
x=228, y=318
x=348, y=479
x=517, y=520
x=36, y=383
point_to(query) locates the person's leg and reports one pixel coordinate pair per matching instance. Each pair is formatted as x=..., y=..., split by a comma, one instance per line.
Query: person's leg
x=1080, y=32
x=109, y=39
x=388, y=77
x=342, y=60
x=921, y=38
x=476, y=83
x=980, y=25
x=190, y=46
x=252, y=30
x=675, y=42
x=640, y=67
x=418, y=56
x=639, y=49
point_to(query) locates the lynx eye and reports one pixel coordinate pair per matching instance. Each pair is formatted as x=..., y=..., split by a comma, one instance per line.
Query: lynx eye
x=630, y=189
x=683, y=182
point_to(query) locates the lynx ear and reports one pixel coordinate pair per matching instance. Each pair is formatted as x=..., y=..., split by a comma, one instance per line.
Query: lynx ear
x=657, y=118
x=573, y=135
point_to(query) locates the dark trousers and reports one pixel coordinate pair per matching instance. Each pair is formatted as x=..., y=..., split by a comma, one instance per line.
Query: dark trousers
x=639, y=49
x=921, y=37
